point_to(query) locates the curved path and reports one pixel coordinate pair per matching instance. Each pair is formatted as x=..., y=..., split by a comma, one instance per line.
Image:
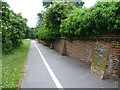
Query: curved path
x=46, y=68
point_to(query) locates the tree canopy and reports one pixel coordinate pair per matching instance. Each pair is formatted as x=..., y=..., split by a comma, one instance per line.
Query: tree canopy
x=52, y=19
x=68, y=20
x=13, y=26
x=101, y=19
x=78, y=4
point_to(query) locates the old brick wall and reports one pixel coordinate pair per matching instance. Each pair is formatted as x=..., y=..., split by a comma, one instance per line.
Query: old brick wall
x=101, y=58
x=58, y=45
x=101, y=55
x=82, y=50
x=113, y=67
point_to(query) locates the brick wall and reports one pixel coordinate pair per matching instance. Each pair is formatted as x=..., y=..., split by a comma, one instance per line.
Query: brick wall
x=82, y=50
x=101, y=55
x=113, y=68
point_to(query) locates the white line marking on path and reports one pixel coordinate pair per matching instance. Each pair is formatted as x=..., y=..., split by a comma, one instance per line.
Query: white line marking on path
x=54, y=78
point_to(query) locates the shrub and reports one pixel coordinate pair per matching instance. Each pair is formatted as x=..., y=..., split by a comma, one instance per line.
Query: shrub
x=102, y=18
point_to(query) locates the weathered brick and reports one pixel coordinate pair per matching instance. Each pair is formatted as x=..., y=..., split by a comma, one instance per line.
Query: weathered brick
x=88, y=51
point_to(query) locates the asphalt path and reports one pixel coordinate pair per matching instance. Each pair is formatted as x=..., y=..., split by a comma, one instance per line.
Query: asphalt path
x=46, y=68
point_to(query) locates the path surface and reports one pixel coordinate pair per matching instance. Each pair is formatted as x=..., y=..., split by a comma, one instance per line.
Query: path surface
x=46, y=68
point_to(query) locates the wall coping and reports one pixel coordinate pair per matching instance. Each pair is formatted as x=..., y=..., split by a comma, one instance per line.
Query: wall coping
x=106, y=38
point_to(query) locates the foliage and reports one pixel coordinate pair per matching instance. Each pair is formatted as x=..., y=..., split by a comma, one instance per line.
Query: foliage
x=102, y=18
x=49, y=30
x=45, y=34
x=40, y=18
x=78, y=4
x=66, y=19
x=47, y=4
x=12, y=26
x=33, y=33
x=29, y=33
x=13, y=65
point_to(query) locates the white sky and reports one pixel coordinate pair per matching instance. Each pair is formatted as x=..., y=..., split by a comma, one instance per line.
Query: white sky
x=30, y=8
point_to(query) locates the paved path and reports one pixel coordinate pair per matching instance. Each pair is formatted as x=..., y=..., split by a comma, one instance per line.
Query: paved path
x=46, y=68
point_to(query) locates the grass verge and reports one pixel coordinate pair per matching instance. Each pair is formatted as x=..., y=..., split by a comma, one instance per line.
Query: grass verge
x=13, y=66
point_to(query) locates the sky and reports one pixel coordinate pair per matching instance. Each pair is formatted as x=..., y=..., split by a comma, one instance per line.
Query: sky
x=30, y=8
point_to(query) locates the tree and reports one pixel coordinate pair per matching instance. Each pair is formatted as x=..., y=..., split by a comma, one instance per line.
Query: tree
x=47, y=4
x=40, y=18
x=13, y=26
x=78, y=4
x=53, y=17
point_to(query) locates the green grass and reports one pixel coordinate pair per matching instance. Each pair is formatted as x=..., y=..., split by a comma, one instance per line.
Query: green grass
x=13, y=66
